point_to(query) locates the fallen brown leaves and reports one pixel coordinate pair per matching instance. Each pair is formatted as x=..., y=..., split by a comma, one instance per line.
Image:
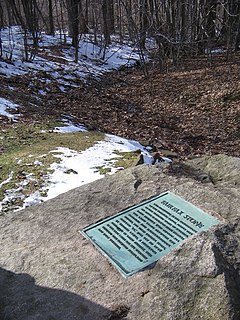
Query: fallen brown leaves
x=192, y=111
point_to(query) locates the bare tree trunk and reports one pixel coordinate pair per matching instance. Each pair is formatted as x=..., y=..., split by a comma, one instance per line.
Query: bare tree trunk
x=210, y=24
x=143, y=17
x=131, y=27
x=1, y=20
x=51, y=20
x=178, y=26
x=183, y=20
x=87, y=7
x=82, y=21
x=237, y=41
x=108, y=20
x=73, y=15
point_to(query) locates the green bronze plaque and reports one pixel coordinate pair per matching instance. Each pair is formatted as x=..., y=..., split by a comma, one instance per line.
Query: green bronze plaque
x=136, y=237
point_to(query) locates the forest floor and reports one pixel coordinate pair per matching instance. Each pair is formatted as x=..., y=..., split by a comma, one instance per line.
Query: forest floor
x=192, y=111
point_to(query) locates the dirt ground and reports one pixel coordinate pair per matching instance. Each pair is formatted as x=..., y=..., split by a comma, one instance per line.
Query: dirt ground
x=192, y=110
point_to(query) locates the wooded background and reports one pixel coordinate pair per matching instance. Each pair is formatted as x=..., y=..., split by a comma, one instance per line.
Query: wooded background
x=177, y=27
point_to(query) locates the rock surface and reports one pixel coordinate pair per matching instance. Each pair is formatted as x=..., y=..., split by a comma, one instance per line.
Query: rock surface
x=49, y=271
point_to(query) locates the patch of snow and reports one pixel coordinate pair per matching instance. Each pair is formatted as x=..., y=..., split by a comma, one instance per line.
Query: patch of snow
x=62, y=88
x=94, y=59
x=38, y=163
x=13, y=194
x=168, y=160
x=76, y=169
x=7, y=104
x=214, y=50
x=7, y=180
x=69, y=127
x=32, y=199
x=42, y=92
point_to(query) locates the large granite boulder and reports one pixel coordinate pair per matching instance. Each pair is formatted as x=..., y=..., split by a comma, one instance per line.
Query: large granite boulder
x=49, y=271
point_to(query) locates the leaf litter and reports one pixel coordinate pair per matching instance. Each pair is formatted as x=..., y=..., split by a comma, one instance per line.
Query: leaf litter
x=190, y=111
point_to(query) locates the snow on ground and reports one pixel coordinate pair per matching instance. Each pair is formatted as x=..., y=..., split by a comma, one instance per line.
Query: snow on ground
x=6, y=104
x=93, y=59
x=69, y=127
x=76, y=169
x=7, y=180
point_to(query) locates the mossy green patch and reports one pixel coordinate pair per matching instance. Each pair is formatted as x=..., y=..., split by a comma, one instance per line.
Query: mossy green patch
x=126, y=159
x=26, y=158
x=103, y=170
x=122, y=160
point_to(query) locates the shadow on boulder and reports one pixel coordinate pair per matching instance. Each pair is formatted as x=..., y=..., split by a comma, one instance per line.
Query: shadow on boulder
x=21, y=298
